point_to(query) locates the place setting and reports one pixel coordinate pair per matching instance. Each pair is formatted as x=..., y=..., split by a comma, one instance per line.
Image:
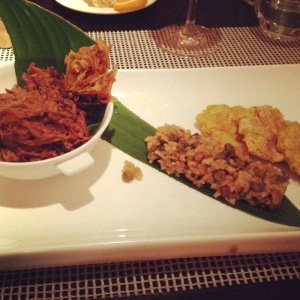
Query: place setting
x=173, y=168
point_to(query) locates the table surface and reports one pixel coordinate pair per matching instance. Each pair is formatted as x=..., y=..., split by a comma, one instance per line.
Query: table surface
x=210, y=13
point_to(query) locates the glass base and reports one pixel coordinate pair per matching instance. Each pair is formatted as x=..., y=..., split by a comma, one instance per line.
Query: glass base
x=281, y=36
x=188, y=40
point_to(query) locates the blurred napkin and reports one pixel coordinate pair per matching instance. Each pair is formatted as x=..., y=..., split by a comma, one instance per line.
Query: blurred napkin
x=5, y=41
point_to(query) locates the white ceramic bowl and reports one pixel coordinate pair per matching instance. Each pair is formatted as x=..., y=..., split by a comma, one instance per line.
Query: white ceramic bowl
x=69, y=163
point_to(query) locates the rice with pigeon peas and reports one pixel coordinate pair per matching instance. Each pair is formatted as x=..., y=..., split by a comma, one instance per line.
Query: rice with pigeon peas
x=228, y=170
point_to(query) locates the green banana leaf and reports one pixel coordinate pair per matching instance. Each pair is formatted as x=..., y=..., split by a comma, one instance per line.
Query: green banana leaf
x=44, y=38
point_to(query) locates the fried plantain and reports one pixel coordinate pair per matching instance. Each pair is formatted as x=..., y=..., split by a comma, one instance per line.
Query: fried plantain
x=259, y=128
x=289, y=144
x=220, y=122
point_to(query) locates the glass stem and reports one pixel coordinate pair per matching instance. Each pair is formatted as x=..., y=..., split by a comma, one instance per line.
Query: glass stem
x=189, y=30
x=191, y=15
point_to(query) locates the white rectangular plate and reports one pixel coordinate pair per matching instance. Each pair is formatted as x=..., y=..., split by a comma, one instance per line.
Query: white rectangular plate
x=95, y=217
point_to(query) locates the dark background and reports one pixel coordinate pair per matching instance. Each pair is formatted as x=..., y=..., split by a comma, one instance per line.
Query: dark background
x=210, y=13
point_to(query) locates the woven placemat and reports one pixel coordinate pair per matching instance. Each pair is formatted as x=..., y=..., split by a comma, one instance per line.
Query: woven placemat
x=241, y=46
x=126, y=279
x=137, y=50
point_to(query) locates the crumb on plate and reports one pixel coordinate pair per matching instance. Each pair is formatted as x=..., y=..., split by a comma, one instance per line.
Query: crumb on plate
x=131, y=172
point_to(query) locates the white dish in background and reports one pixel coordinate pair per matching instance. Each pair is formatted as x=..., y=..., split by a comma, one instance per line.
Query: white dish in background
x=94, y=217
x=82, y=6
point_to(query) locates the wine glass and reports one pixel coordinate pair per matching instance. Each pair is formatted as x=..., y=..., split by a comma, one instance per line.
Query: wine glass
x=189, y=39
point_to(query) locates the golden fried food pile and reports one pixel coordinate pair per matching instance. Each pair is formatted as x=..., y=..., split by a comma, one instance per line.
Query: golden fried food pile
x=289, y=144
x=88, y=77
x=220, y=122
x=260, y=130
